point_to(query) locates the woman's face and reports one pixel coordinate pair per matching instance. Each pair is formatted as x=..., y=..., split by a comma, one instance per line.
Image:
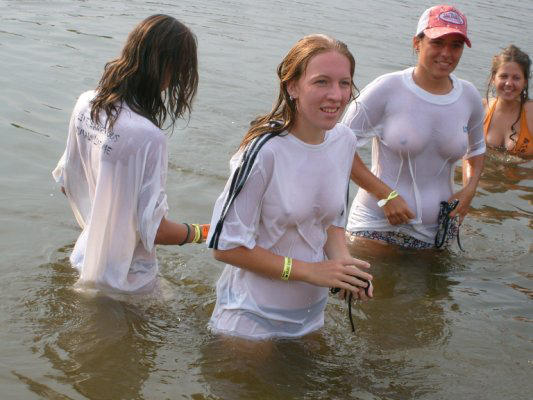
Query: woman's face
x=322, y=92
x=439, y=57
x=509, y=81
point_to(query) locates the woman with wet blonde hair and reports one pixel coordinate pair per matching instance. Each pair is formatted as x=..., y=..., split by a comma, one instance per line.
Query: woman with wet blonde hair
x=282, y=236
x=114, y=167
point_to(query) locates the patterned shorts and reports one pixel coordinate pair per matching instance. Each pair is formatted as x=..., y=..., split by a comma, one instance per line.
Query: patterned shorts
x=405, y=241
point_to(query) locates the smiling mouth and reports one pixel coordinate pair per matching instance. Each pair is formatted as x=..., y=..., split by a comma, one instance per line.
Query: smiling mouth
x=329, y=110
x=444, y=64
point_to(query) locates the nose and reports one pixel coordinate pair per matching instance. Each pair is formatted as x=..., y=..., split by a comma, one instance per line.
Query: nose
x=335, y=93
x=446, y=50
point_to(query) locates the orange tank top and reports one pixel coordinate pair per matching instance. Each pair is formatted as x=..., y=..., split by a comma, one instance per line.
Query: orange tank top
x=524, y=142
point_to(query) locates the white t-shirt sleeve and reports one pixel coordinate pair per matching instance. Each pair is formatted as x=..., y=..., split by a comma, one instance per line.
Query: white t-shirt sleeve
x=364, y=115
x=242, y=218
x=152, y=205
x=59, y=171
x=351, y=149
x=476, y=138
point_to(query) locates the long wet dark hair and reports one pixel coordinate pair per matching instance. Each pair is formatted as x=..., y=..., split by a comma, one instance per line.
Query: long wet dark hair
x=292, y=68
x=512, y=54
x=156, y=74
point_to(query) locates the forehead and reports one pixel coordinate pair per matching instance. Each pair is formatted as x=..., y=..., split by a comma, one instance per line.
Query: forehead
x=449, y=38
x=510, y=67
x=328, y=63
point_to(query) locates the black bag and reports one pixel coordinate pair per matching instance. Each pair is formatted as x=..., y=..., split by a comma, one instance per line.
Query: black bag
x=240, y=176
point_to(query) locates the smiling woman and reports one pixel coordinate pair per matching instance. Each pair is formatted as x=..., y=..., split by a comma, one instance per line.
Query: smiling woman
x=423, y=120
x=290, y=214
x=509, y=120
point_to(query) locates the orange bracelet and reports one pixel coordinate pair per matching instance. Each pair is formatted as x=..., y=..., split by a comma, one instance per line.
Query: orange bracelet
x=205, y=231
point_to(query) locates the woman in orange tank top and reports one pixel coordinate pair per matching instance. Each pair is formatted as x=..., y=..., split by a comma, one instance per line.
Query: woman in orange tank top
x=508, y=122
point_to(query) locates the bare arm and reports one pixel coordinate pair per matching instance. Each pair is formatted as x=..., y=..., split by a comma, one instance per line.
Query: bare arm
x=396, y=210
x=529, y=114
x=472, y=169
x=330, y=273
x=174, y=233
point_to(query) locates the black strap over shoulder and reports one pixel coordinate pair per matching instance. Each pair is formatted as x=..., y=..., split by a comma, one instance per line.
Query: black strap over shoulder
x=239, y=178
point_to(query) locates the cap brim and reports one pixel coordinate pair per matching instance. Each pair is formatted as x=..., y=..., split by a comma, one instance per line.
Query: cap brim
x=434, y=33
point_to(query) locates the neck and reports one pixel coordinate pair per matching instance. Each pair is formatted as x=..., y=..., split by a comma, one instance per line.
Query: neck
x=508, y=105
x=307, y=134
x=430, y=83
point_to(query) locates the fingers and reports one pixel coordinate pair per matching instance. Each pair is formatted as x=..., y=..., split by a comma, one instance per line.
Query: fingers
x=348, y=276
x=354, y=279
x=397, y=211
x=363, y=294
x=356, y=262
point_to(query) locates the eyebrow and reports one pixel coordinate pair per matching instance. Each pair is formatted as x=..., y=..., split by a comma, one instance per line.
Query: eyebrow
x=328, y=76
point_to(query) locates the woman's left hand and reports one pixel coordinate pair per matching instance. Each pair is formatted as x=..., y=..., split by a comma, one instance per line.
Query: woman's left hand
x=465, y=197
x=363, y=294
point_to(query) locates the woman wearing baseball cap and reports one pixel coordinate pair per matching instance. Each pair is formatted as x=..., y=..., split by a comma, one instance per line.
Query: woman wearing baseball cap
x=422, y=120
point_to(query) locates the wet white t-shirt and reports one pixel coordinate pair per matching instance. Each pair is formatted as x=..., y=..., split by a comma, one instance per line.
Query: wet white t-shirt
x=418, y=137
x=295, y=191
x=115, y=183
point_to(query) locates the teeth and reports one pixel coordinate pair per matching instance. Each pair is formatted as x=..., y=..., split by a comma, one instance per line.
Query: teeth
x=329, y=110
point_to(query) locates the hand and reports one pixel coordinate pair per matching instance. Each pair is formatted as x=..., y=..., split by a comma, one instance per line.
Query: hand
x=397, y=211
x=343, y=274
x=364, y=294
x=465, y=197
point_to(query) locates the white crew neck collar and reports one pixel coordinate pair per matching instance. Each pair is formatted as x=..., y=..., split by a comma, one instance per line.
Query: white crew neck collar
x=440, y=99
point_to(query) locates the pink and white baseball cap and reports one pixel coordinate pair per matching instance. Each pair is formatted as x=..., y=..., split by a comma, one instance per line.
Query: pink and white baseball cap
x=442, y=20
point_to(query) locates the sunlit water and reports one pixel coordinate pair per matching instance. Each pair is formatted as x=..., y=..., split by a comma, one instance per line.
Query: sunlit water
x=446, y=325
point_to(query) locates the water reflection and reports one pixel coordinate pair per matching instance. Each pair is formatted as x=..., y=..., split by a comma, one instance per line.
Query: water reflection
x=103, y=347
x=503, y=172
x=405, y=317
x=309, y=368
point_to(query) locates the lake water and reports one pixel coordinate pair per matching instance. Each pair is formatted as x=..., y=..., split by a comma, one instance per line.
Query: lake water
x=442, y=325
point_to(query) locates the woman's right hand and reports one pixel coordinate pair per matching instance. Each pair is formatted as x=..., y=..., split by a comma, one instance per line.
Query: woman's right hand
x=345, y=274
x=397, y=211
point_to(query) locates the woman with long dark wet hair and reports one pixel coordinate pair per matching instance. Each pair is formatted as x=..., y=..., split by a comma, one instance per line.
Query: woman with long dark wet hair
x=114, y=168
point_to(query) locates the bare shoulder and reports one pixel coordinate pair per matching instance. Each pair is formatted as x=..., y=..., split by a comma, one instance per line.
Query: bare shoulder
x=529, y=113
x=487, y=103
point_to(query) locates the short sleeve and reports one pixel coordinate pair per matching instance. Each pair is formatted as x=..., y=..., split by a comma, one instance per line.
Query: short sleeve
x=152, y=204
x=350, y=147
x=364, y=115
x=59, y=171
x=476, y=138
x=242, y=218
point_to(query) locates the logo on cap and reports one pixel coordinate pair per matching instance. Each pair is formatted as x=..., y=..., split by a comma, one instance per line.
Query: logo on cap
x=451, y=17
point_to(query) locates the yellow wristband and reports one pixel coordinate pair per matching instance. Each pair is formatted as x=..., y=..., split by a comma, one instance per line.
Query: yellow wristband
x=392, y=195
x=197, y=233
x=287, y=266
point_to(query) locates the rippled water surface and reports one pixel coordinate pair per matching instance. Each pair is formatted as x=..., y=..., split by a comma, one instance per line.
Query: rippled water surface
x=442, y=326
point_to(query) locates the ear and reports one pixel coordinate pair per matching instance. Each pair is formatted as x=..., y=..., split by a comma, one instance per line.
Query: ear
x=416, y=44
x=292, y=89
